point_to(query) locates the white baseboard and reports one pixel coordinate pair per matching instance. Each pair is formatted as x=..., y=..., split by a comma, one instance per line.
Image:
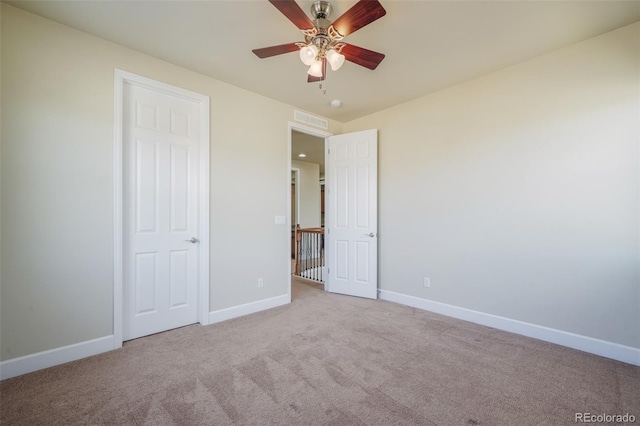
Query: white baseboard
x=33, y=362
x=576, y=341
x=248, y=308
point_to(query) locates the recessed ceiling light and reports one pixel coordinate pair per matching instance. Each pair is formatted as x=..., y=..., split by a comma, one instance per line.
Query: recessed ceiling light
x=302, y=155
x=336, y=103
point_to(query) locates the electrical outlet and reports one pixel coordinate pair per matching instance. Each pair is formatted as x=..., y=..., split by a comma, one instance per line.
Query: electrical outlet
x=426, y=281
x=260, y=283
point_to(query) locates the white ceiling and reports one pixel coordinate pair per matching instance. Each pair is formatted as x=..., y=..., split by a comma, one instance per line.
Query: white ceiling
x=429, y=45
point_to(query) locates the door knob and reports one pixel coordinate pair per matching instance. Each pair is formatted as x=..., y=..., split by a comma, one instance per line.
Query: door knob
x=370, y=234
x=193, y=240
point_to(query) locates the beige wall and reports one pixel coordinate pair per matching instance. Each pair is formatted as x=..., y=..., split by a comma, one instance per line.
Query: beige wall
x=309, y=192
x=517, y=193
x=57, y=190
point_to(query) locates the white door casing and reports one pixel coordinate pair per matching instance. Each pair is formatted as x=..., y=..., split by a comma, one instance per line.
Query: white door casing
x=164, y=222
x=351, y=198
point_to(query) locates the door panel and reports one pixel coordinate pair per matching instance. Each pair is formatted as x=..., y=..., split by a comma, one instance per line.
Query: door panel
x=146, y=195
x=352, y=201
x=160, y=141
x=341, y=190
x=145, y=282
x=179, y=278
x=341, y=262
x=179, y=189
x=362, y=261
x=362, y=207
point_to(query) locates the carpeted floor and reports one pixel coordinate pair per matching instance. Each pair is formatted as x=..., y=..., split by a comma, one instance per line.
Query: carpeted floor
x=327, y=359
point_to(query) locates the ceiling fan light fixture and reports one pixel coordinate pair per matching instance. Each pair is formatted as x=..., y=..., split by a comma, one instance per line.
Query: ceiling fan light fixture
x=308, y=54
x=315, y=69
x=323, y=37
x=335, y=59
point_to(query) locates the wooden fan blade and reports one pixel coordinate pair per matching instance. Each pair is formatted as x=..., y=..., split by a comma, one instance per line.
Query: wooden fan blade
x=293, y=12
x=312, y=79
x=361, y=56
x=362, y=13
x=267, y=52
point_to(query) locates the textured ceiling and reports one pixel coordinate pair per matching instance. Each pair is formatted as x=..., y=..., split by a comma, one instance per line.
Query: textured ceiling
x=429, y=45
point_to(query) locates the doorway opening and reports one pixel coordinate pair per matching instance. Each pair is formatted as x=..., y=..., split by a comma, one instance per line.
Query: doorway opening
x=351, y=219
x=306, y=212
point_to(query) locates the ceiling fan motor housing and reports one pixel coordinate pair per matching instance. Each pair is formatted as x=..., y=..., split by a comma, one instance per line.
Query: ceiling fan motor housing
x=322, y=35
x=321, y=10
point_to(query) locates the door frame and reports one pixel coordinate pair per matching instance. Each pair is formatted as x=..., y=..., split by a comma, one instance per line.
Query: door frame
x=309, y=131
x=296, y=171
x=120, y=78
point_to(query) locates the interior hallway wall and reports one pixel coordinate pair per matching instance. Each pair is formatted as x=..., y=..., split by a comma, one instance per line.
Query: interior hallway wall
x=309, y=193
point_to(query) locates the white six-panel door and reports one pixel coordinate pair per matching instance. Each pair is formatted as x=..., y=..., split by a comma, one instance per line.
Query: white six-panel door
x=352, y=200
x=160, y=244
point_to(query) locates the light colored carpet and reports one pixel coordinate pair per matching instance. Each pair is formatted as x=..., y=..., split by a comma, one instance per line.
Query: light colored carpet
x=326, y=360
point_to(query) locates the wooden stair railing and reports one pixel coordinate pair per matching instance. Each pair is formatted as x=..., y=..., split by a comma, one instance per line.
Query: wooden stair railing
x=309, y=253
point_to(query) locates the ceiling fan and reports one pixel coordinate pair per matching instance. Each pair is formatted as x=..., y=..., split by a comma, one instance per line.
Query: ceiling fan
x=323, y=38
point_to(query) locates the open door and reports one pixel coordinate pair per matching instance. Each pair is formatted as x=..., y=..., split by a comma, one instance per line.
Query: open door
x=352, y=202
